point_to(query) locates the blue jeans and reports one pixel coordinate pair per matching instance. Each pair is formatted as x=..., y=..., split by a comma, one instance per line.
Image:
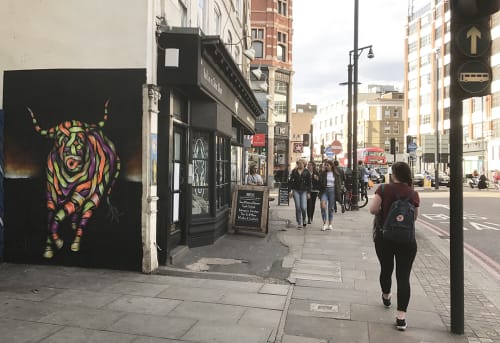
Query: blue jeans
x=329, y=196
x=300, y=198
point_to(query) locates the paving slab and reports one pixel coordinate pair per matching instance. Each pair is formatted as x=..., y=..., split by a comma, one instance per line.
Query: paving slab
x=91, y=299
x=23, y=331
x=325, y=294
x=275, y=289
x=260, y=317
x=301, y=339
x=205, y=332
x=28, y=310
x=268, y=301
x=324, y=309
x=83, y=317
x=382, y=333
x=145, y=305
x=326, y=328
x=210, y=312
x=155, y=326
x=193, y=294
x=146, y=289
x=346, y=284
x=143, y=339
x=79, y=335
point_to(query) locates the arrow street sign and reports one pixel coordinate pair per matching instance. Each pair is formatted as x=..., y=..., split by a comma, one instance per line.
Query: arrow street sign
x=474, y=40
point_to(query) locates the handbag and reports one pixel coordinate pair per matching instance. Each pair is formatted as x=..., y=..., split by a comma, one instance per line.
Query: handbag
x=377, y=220
x=377, y=226
x=370, y=183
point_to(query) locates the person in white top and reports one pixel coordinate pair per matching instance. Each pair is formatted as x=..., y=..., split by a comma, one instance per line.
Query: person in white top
x=253, y=178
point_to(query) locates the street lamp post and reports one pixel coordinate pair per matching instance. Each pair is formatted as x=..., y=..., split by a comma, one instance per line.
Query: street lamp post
x=356, y=52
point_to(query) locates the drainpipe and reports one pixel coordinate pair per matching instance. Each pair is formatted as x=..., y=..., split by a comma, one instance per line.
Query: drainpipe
x=151, y=96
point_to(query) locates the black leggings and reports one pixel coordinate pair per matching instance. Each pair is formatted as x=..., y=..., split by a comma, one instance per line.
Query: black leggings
x=311, y=205
x=405, y=255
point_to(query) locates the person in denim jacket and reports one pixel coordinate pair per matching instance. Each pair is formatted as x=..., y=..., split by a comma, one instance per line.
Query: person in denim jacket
x=299, y=186
x=331, y=185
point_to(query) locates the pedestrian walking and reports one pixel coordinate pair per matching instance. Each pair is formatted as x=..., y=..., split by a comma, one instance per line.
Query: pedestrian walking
x=299, y=186
x=253, y=178
x=388, y=250
x=363, y=175
x=330, y=187
x=315, y=186
x=340, y=199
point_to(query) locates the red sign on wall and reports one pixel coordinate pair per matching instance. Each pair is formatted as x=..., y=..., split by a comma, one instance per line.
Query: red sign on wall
x=259, y=139
x=298, y=147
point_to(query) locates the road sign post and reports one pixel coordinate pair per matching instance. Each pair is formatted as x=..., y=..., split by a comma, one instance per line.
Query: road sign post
x=470, y=42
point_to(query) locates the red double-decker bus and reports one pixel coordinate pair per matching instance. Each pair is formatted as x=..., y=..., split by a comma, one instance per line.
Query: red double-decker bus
x=373, y=157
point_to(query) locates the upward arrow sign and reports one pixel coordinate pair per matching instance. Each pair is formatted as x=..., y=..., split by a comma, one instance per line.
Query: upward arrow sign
x=473, y=34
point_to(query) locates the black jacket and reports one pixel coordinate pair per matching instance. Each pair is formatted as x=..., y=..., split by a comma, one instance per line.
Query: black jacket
x=300, y=182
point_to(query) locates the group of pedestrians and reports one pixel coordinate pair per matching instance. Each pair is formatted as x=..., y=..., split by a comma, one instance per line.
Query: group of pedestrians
x=307, y=184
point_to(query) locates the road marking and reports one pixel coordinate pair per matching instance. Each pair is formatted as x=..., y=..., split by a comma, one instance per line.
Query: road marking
x=440, y=205
x=481, y=226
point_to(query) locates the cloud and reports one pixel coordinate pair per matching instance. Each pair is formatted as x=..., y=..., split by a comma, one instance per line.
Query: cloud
x=324, y=35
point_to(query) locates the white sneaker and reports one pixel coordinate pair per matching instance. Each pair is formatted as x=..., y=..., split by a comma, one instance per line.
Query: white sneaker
x=324, y=228
x=330, y=227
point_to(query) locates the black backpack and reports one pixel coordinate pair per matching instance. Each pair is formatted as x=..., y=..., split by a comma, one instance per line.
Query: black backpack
x=399, y=225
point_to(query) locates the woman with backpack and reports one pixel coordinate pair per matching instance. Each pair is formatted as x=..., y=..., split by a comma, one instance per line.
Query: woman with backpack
x=390, y=245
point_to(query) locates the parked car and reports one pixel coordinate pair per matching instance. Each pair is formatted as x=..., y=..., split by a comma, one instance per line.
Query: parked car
x=418, y=179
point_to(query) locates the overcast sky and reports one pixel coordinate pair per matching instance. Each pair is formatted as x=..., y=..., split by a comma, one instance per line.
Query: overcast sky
x=323, y=35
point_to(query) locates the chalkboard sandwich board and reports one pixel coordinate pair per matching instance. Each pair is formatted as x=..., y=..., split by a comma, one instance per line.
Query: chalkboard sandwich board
x=283, y=198
x=250, y=208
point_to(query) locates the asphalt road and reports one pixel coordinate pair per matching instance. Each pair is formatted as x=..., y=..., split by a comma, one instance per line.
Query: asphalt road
x=481, y=221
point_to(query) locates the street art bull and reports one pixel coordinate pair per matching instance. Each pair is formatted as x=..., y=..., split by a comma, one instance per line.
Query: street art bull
x=82, y=168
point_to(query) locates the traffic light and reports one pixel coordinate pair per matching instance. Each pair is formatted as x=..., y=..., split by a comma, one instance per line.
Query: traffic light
x=393, y=146
x=305, y=139
x=322, y=149
x=471, y=46
x=409, y=140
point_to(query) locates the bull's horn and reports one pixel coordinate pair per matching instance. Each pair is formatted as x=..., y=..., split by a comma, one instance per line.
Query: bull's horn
x=35, y=123
x=37, y=127
x=103, y=121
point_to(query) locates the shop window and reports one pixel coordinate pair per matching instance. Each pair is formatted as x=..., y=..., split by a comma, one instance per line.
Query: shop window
x=218, y=19
x=258, y=46
x=281, y=53
x=282, y=7
x=258, y=42
x=236, y=158
x=222, y=172
x=201, y=203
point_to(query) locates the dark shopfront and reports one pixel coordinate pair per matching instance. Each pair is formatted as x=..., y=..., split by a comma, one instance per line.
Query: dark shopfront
x=206, y=109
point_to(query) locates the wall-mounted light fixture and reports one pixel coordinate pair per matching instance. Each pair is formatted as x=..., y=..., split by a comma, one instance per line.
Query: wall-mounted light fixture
x=258, y=75
x=248, y=53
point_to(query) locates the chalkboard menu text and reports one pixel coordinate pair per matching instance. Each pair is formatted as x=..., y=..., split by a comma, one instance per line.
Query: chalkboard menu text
x=250, y=207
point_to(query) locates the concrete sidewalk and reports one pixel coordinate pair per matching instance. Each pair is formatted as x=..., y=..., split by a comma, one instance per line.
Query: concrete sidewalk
x=325, y=289
x=336, y=293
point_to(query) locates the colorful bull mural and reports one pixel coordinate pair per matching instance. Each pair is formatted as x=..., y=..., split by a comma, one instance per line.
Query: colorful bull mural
x=81, y=170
